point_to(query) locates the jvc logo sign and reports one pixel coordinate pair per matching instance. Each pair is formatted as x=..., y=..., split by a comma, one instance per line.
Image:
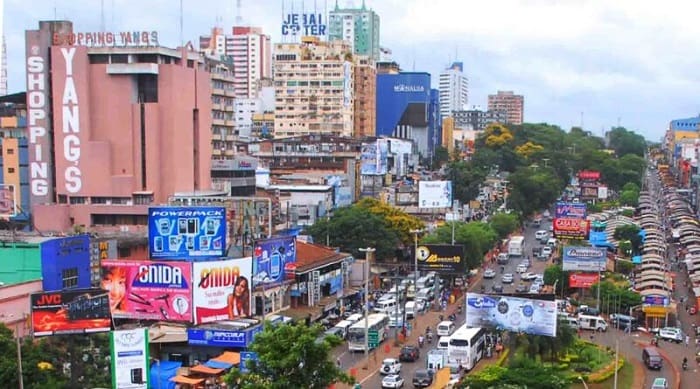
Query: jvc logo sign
x=46, y=300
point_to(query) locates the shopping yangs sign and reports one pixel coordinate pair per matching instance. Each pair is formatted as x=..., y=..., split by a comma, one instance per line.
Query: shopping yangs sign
x=70, y=312
x=582, y=280
x=186, y=232
x=443, y=258
x=577, y=258
x=570, y=210
x=570, y=228
x=147, y=290
x=516, y=314
x=130, y=359
x=274, y=260
x=106, y=39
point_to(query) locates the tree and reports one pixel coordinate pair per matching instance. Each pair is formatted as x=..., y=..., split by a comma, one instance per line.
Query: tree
x=290, y=356
x=477, y=238
x=504, y=224
x=466, y=179
x=440, y=157
x=619, y=292
x=629, y=232
x=533, y=190
x=626, y=142
x=396, y=220
x=555, y=274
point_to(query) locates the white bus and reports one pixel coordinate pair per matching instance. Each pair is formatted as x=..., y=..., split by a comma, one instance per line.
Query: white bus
x=356, y=333
x=466, y=347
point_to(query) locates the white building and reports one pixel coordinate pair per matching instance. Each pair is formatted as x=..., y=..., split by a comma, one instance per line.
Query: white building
x=454, y=89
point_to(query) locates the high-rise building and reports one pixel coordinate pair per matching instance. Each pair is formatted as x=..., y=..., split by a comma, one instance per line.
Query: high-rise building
x=127, y=126
x=454, y=89
x=313, y=88
x=251, y=52
x=476, y=119
x=223, y=135
x=365, y=97
x=357, y=26
x=510, y=103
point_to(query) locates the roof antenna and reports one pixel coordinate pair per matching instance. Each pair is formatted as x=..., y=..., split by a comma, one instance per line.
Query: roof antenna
x=239, y=16
x=102, y=16
x=181, y=23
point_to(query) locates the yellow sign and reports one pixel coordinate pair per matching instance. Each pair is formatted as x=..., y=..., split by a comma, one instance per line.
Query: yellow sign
x=655, y=311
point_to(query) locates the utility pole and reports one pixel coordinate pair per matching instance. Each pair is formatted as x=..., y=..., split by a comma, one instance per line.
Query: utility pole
x=369, y=252
x=617, y=346
x=415, y=258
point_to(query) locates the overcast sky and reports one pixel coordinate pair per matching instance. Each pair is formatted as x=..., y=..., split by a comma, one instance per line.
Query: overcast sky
x=596, y=61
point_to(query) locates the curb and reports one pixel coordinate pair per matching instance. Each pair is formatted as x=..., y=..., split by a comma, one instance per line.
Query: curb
x=676, y=372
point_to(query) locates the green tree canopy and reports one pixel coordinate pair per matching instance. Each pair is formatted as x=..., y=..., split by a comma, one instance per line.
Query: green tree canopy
x=626, y=142
x=396, y=220
x=619, y=292
x=504, y=224
x=477, y=238
x=629, y=232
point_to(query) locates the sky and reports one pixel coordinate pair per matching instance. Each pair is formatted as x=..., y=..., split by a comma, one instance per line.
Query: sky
x=591, y=62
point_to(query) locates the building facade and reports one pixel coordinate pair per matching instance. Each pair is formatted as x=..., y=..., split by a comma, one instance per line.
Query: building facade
x=365, y=97
x=236, y=176
x=357, y=26
x=126, y=127
x=223, y=134
x=454, y=89
x=313, y=88
x=476, y=119
x=510, y=103
x=14, y=159
x=251, y=51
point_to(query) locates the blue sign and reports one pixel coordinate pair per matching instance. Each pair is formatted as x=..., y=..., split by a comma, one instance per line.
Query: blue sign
x=656, y=300
x=307, y=24
x=65, y=263
x=570, y=210
x=586, y=259
x=273, y=260
x=245, y=357
x=186, y=232
x=221, y=337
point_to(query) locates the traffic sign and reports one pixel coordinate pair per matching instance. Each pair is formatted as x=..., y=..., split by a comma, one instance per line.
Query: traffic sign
x=373, y=338
x=245, y=357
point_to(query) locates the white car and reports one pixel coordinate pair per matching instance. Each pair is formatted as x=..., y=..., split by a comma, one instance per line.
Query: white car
x=507, y=278
x=546, y=251
x=529, y=276
x=392, y=381
x=534, y=288
x=489, y=273
x=671, y=334
x=390, y=366
x=522, y=268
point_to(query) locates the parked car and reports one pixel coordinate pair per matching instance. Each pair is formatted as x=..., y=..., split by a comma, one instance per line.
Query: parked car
x=546, y=251
x=409, y=353
x=392, y=381
x=529, y=276
x=507, y=278
x=422, y=378
x=521, y=268
x=534, y=289
x=489, y=273
x=659, y=383
x=521, y=288
x=671, y=334
x=390, y=366
x=498, y=288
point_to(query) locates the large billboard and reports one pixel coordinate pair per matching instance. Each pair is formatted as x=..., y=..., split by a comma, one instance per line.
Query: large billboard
x=65, y=263
x=592, y=259
x=434, y=194
x=221, y=289
x=569, y=228
x=147, y=290
x=70, y=312
x=442, y=258
x=405, y=98
x=373, y=158
x=570, y=210
x=516, y=314
x=188, y=233
x=589, y=175
x=8, y=201
x=130, y=359
x=273, y=260
x=582, y=280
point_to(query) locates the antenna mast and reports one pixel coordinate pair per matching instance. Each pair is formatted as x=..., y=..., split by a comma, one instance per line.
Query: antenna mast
x=239, y=13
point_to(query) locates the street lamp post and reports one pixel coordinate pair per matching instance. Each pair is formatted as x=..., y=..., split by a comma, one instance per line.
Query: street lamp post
x=415, y=258
x=585, y=385
x=369, y=252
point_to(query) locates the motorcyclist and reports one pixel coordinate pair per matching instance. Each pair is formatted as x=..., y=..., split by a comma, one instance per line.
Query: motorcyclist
x=685, y=363
x=421, y=340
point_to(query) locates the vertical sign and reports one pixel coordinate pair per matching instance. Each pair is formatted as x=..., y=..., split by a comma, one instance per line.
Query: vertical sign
x=130, y=365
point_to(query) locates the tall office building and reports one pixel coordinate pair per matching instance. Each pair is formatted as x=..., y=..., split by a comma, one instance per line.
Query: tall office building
x=313, y=88
x=365, y=97
x=223, y=134
x=510, y=103
x=251, y=52
x=454, y=89
x=357, y=26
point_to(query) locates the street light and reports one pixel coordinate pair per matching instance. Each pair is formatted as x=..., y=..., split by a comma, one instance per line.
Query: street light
x=585, y=385
x=415, y=258
x=369, y=252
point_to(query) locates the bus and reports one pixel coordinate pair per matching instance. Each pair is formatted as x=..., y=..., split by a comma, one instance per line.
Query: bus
x=375, y=322
x=466, y=347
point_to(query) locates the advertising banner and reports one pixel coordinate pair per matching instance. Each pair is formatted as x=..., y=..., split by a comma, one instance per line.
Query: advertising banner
x=434, y=194
x=570, y=210
x=589, y=175
x=130, y=359
x=516, y=314
x=568, y=228
x=589, y=192
x=221, y=337
x=221, y=289
x=186, y=232
x=70, y=312
x=274, y=260
x=442, y=258
x=8, y=201
x=592, y=259
x=582, y=280
x=373, y=158
x=148, y=290
x=656, y=300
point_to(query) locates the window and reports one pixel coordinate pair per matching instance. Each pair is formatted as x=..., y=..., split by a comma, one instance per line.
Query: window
x=10, y=170
x=69, y=278
x=10, y=151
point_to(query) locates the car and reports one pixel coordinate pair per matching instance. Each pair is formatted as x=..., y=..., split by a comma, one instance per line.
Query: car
x=540, y=278
x=521, y=268
x=489, y=273
x=529, y=276
x=409, y=353
x=525, y=262
x=392, y=381
x=659, y=383
x=390, y=366
x=422, y=378
x=498, y=288
x=546, y=251
x=534, y=289
x=521, y=288
x=671, y=334
x=507, y=278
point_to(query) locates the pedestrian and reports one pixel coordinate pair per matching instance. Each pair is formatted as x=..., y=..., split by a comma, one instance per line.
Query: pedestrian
x=337, y=362
x=687, y=340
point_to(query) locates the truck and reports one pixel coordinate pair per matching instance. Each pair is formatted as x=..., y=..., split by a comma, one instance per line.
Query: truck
x=515, y=246
x=437, y=359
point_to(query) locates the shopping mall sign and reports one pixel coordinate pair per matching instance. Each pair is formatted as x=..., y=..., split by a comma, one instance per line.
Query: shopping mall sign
x=571, y=228
x=106, y=39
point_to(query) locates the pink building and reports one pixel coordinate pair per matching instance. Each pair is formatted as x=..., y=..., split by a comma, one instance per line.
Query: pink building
x=15, y=307
x=130, y=126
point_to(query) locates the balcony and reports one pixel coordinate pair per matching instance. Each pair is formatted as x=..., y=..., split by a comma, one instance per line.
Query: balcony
x=215, y=136
x=230, y=123
x=218, y=122
x=230, y=93
x=217, y=91
x=216, y=107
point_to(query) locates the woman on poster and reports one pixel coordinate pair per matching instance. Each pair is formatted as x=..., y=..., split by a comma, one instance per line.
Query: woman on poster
x=114, y=282
x=239, y=300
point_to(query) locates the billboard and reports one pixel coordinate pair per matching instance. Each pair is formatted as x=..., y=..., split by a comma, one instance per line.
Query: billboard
x=568, y=228
x=373, y=158
x=70, y=312
x=591, y=259
x=8, y=201
x=304, y=24
x=65, y=263
x=273, y=260
x=130, y=359
x=570, y=210
x=443, y=258
x=221, y=289
x=516, y=314
x=147, y=290
x=434, y=194
x=589, y=175
x=582, y=280
x=657, y=300
x=186, y=232
x=221, y=337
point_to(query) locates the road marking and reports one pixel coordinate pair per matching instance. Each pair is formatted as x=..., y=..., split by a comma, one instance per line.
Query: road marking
x=369, y=376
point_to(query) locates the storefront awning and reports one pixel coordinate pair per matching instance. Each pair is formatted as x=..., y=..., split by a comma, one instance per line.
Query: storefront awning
x=206, y=370
x=181, y=379
x=224, y=361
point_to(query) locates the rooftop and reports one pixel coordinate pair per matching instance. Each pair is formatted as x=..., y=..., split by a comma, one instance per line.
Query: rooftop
x=311, y=256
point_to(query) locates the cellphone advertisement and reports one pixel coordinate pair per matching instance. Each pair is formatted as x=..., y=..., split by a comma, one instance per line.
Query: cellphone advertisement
x=147, y=290
x=130, y=365
x=187, y=232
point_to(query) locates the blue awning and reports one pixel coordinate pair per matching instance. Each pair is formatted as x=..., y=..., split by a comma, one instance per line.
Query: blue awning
x=218, y=365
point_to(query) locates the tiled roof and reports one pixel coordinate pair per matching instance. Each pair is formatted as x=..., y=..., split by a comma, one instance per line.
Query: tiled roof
x=310, y=256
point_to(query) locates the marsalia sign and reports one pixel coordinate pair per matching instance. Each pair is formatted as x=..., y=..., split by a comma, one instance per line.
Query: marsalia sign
x=443, y=258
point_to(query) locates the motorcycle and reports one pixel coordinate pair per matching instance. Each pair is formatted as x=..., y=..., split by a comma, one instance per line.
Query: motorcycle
x=430, y=338
x=452, y=317
x=421, y=341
